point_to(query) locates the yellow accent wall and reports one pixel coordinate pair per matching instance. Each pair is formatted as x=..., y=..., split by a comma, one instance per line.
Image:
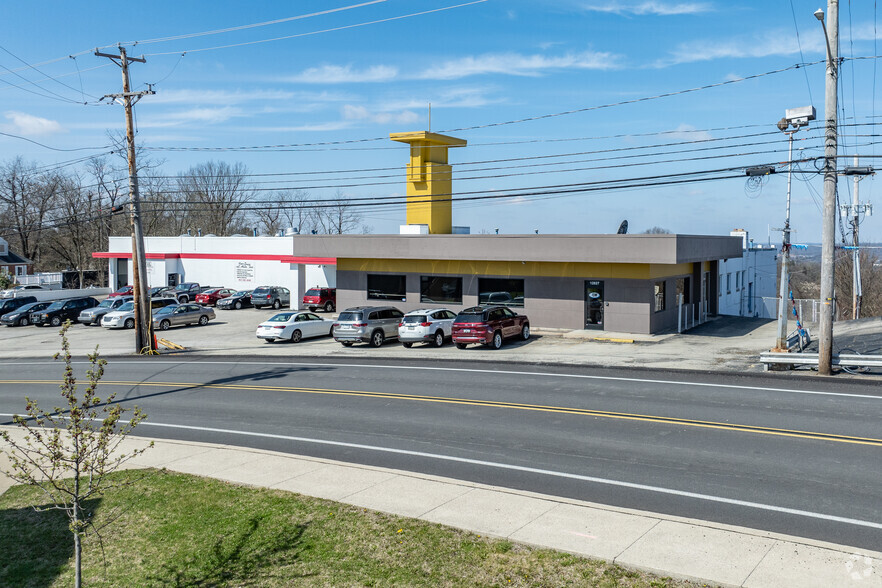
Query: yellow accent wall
x=633, y=271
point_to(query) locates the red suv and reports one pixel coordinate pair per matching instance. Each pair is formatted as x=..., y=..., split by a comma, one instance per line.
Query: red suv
x=489, y=325
x=318, y=297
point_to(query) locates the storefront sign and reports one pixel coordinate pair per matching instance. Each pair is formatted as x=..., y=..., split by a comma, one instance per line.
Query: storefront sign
x=244, y=272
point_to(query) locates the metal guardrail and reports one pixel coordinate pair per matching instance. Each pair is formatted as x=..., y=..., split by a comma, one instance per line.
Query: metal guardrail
x=849, y=360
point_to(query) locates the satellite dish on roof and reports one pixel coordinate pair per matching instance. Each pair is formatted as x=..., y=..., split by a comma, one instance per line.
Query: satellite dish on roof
x=623, y=228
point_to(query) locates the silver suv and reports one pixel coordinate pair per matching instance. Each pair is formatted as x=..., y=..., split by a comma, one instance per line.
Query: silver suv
x=428, y=325
x=93, y=316
x=367, y=324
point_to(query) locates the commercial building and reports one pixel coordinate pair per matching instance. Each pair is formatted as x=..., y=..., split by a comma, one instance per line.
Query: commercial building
x=746, y=280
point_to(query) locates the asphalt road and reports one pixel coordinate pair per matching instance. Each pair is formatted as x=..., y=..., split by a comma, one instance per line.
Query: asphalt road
x=780, y=454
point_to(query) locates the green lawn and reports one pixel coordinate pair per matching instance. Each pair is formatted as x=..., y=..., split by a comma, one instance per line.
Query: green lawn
x=168, y=529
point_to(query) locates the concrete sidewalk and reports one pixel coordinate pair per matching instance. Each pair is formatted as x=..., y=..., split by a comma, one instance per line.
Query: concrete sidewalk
x=670, y=546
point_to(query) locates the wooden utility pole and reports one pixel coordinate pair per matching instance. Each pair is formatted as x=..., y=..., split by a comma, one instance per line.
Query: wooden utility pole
x=828, y=224
x=143, y=314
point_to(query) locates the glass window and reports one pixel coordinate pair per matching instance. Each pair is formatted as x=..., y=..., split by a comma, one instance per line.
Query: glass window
x=659, y=296
x=729, y=283
x=682, y=288
x=441, y=289
x=385, y=287
x=501, y=291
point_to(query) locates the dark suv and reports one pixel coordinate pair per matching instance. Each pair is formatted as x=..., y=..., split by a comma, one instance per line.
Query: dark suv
x=11, y=304
x=489, y=325
x=62, y=310
x=274, y=296
x=320, y=298
x=367, y=324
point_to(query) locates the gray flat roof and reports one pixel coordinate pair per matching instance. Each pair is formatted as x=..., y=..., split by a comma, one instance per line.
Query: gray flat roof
x=661, y=248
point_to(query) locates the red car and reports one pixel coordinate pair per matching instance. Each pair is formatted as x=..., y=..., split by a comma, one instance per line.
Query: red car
x=489, y=325
x=319, y=297
x=124, y=291
x=210, y=297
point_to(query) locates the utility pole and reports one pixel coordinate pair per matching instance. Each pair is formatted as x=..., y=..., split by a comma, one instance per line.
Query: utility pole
x=143, y=314
x=828, y=225
x=854, y=210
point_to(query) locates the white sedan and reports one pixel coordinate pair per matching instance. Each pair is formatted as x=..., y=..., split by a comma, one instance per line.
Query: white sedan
x=294, y=326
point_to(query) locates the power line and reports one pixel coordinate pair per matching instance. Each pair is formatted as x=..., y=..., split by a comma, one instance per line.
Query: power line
x=50, y=78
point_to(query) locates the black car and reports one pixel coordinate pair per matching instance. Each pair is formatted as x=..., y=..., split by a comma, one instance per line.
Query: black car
x=158, y=291
x=237, y=300
x=62, y=310
x=21, y=316
x=10, y=304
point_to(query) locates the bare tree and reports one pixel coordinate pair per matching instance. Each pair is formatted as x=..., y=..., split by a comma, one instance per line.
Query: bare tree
x=68, y=454
x=340, y=217
x=656, y=231
x=294, y=210
x=27, y=198
x=215, y=193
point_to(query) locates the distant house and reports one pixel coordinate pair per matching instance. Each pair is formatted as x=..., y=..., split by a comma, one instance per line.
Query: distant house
x=12, y=263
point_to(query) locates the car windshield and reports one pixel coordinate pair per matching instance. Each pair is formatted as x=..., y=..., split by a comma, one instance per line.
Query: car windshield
x=470, y=317
x=182, y=287
x=281, y=318
x=107, y=303
x=414, y=318
x=164, y=310
x=56, y=305
x=242, y=293
x=313, y=292
x=213, y=291
x=349, y=316
x=29, y=307
x=122, y=290
x=127, y=307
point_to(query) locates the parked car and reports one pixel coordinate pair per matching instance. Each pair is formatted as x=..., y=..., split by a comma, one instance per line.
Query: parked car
x=428, y=325
x=274, y=296
x=294, y=326
x=212, y=296
x=21, y=316
x=10, y=304
x=176, y=315
x=185, y=292
x=16, y=290
x=124, y=291
x=62, y=310
x=489, y=325
x=124, y=316
x=367, y=324
x=156, y=291
x=319, y=297
x=93, y=316
x=236, y=300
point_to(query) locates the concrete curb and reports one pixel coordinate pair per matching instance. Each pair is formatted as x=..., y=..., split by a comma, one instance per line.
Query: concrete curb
x=667, y=545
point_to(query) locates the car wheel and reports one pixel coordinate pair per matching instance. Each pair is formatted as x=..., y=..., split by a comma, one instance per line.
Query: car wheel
x=460, y=345
x=238, y=306
x=164, y=325
x=439, y=339
x=525, y=332
x=496, y=343
x=130, y=323
x=277, y=305
x=377, y=339
x=56, y=321
x=184, y=299
x=407, y=345
x=203, y=320
x=331, y=332
x=329, y=307
x=23, y=321
x=296, y=336
x=346, y=343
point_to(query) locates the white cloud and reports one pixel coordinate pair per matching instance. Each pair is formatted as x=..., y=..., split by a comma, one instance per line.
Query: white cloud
x=519, y=65
x=463, y=97
x=689, y=133
x=192, y=116
x=318, y=127
x=30, y=125
x=766, y=44
x=361, y=113
x=343, y=74
x=650, y=7
x=219, y=96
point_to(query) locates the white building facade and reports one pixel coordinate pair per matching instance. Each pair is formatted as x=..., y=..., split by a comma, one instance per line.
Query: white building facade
x=239, y=262
x=745, y=281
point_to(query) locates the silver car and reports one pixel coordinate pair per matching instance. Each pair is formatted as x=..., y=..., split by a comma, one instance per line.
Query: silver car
x=367, y=324
x=428, y=325
x=124, y=316
x=93, y=316
x=181, y=314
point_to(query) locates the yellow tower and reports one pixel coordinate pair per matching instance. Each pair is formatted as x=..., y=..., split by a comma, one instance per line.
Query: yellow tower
x=429, y=179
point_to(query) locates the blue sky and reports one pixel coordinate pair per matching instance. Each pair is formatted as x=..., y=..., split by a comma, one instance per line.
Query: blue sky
x=325, y=84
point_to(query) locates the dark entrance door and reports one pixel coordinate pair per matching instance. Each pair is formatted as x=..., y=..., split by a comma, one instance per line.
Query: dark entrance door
x=122, y=273
x=593, y=304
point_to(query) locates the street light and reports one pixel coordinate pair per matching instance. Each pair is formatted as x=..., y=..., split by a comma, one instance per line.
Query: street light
x=794, y=119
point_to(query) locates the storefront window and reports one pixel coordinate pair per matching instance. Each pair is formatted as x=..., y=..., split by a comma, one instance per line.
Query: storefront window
x=384, y=287
x=501, y=291
x=683, y=288
x=441, y=289
x=659, y=296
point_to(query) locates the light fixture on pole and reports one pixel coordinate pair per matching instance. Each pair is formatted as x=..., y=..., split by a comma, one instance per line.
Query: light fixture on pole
x=794, y=119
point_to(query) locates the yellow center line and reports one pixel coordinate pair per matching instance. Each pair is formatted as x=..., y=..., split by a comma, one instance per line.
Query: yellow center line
x=497, y=404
